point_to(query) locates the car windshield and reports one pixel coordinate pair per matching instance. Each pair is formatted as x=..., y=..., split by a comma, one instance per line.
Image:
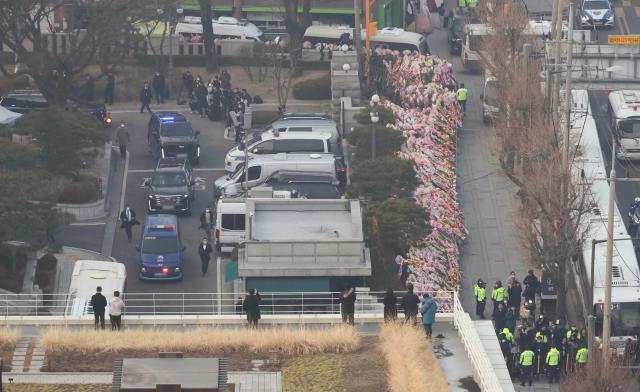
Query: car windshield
x=176, y=129
x=169, y=179
x=629, y=128
x=596, y=5
x=160, y=245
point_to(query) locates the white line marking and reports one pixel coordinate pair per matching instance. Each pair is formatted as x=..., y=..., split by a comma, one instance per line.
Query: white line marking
x=124, y=183
x=199, y=169
x=88, y=224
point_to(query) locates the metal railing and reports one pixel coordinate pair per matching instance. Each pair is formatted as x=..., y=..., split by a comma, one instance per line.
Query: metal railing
x=484, y=374
x=212, y=304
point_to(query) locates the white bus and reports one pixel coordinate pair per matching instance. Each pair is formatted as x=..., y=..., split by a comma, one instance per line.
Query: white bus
x=223, y=27
x=89, y=274
x=624, y=112
x=390, y=37
x=625, y=292
x=473, y=37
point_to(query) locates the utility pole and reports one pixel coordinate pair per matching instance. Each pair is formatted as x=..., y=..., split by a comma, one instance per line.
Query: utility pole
x=357, y=32
x=606, y=319
x=567, y=89
x=556, y=58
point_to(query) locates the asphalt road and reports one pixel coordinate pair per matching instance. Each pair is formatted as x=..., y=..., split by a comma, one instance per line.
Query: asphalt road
x=627, y=20
x=141, y=165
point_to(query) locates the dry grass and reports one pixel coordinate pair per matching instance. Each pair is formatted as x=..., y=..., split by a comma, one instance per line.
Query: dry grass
x=58, y=388
x=9, y=338
x=411, y=365
x=287, y=340
x=315, y=373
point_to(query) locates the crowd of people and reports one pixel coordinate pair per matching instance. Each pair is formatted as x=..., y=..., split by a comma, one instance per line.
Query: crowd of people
x=534, y=346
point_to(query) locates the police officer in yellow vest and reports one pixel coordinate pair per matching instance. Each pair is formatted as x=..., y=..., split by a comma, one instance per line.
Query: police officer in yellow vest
x=462, y=3
x=526, y=366
x=472, y=3
x=581, y=357
x=498, y=292
x=480, y=293
x=508, y=335
x=461, y=96
x=553, y=363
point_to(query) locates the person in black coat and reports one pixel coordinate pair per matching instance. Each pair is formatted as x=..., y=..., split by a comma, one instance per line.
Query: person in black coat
x=109, y=89
x=499, y=317
x=188, y=82
x=515, y=294
x=348, y=302
x=88, y=88
x=158, y=87
x=532, y=280
x=251, y=306
x=201, y=98
x=128, y=218
x=410, y=302
x=205, y=250
x=98, y=303
x=145, y=97
x=390, y=308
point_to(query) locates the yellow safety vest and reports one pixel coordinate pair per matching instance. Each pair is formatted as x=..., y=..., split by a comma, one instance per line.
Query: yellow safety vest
x=544, y=337
x=462, y=3
x=496, y=294
x=526, y=358
x=581, y=356
x=480, y=293
x=553, y=357
x=508, y=335
x=461, y=95
x=472, y=3
x=577, y=334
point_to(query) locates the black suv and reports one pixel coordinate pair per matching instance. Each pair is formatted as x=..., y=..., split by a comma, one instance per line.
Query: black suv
x=172, y=187
x=171, y=135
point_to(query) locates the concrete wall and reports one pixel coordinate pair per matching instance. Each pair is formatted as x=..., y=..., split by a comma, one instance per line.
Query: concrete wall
x=344, y=83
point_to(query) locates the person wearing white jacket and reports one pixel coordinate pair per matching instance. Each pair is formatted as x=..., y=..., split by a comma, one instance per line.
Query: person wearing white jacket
x=116, y=304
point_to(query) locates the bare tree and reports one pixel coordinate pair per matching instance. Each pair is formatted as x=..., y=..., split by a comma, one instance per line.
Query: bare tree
x=284, y=71
x=207, y=34
x=554, y=208
x=100, y=33
x=296, y=23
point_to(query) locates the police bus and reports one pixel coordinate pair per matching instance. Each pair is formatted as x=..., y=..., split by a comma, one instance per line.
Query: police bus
x=624, y=113
x=89, y=274
x=625, y=293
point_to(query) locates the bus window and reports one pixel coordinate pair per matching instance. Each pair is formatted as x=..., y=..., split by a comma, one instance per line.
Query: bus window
x=629, y=128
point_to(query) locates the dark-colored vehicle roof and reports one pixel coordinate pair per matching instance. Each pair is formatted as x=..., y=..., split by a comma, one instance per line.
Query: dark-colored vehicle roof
x=170, y=117
x=168, y=163
x=22, y=101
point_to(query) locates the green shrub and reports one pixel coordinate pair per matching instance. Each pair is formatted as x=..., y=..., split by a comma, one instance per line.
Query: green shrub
x=388, y=141
x=83, y=190
x=18, y=156
x=400, y=223
x=386, y=116
x=319, y=88
x=383, y=178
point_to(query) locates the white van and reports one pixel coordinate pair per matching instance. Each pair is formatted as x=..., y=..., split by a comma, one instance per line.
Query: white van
x=262, y=166
x=275, y=143
x=223, y=27
x=230, y=217
x=86, y=276
x=283, y=126
x=392, y=38
x=490, y=97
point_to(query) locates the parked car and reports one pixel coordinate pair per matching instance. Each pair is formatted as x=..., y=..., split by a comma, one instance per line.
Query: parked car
x=596, y=13
x=161, y=249
x=171, y=135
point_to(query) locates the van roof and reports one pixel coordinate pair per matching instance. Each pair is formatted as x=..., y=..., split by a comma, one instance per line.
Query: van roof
x=297, y=136
x=303, y=122
x=293, y=157
x=231, y=206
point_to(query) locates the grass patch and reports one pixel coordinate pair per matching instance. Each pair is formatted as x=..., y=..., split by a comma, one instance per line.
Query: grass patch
x=58, y=387
x=411, y=365
x=313, y=373
x=287, y=340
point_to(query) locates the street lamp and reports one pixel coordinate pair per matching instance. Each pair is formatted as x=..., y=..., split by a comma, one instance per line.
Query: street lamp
x=168, y=15
x=375, y=100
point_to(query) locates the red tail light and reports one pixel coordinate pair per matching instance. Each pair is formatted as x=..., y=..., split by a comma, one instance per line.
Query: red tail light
x=217, y=234
x=165, y=270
